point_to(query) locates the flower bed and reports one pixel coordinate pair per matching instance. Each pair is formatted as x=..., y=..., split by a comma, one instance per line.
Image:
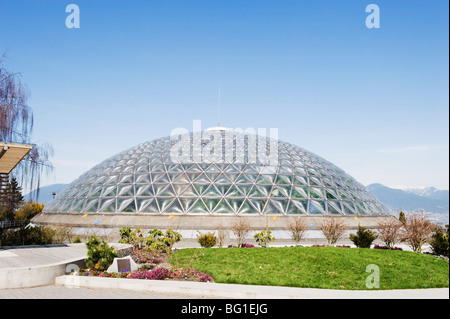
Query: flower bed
x=153, y=265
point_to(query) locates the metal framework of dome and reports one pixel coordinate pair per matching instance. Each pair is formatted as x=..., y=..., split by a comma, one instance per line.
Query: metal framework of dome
x=145, y=180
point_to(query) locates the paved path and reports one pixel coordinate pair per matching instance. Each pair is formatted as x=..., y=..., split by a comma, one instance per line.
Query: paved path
x=60, y=292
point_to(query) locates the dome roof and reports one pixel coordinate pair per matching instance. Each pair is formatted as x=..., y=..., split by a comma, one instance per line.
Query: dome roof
x=222, y=174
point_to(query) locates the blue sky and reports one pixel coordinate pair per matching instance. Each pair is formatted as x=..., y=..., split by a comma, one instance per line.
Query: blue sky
x=372, y=101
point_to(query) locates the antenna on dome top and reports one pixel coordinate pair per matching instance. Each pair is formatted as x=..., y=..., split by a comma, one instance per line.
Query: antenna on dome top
x=218, y=109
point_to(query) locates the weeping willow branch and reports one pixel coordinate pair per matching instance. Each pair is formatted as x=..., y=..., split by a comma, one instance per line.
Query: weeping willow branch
x=16, y=126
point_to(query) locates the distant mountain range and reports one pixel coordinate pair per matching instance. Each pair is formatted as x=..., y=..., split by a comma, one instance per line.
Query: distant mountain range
x=428, y=199
x=46, y=193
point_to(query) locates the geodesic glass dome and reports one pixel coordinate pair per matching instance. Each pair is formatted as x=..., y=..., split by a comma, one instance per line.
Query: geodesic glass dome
x=156, y=178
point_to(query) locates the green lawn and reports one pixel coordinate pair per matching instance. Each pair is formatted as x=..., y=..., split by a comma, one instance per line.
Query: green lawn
x=316, y=267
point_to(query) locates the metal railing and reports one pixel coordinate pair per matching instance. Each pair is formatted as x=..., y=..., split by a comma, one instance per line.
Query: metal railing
x=5, y=224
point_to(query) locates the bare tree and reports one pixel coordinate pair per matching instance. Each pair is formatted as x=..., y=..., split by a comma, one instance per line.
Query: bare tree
x=333, y=228
x=390, y=231
x=297, y=226
x=241, y=229
x=418, y=231
x=16, y=126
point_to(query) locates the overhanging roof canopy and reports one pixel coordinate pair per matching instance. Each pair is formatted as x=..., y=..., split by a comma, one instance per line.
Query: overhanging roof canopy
x=11, y=154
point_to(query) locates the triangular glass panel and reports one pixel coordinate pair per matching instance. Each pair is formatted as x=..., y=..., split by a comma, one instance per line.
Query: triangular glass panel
x=199, y=188
x=143, y=202
x=283, y=180
x=180, y=178
x=160, y=188
x=126, y=205
x=222, y=208
x=251, y=178
x=316, y=193
x=144, y=190
x=142, y=178
x=223, y=189
x=126, y=179
x=190, y=191
x=334, y=207
x=301, y=180
x=246, y=208
x=95, y=191
x=265, y=189
x=174, y=208
x=257, y=204
x=125, y=190
x=91, y=206
x=202, y=179
x=264, y=180
x=109, y=190
x=272, y=208
x=235, y=203
x=107, y=205
x=142, y=169
x=187, y=202
x=361, y=208
x=245, y=189
x=163, y=203
x=281, y=205
x=314, y=181
x=211, y=203
x=241, y=179
x=77, y=205
x=349, y=208
x=150, y=207
x=331, y=193
x=316, y=207
x=212, y=176
x=113, y=179
x=211, y=191
x=276, y=192
x=222, y=179
x=157, y=167
x=212, y=169
x=295, y=210
x=284, y=190
x=198, y=208
x=256, y=192
x=300, y=192
x=173, y=168
x=233, y=192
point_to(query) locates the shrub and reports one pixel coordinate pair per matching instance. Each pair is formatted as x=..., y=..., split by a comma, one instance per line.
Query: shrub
x=240, y=229
x=363, y=238
x=162, y=241
x=333, y=229
x=439, y=242
x=28, y=211
x=25, y=235
x=418, y=230
x=77, y=240
x=207, y=240
x=100, y=254
x=389, y=231
x=264, y=238
x=297, y=227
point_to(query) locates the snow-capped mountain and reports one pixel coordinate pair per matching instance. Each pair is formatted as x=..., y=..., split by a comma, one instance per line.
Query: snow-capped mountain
x=428, y=192
x=428, y=199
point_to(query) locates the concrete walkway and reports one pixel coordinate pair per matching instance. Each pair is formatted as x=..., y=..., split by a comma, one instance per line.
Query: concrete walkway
x=60, y=292
x=31, y=266
x=232, y=291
